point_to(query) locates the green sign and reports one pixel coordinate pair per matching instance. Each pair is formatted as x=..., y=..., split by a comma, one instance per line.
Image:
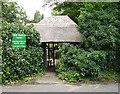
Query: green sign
x=18, y=40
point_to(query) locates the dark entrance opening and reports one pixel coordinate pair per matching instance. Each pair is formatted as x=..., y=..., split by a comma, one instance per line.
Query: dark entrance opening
x=50, y=55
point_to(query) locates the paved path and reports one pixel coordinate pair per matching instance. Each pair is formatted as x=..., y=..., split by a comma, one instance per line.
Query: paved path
x=50, y=83
x=49, y=78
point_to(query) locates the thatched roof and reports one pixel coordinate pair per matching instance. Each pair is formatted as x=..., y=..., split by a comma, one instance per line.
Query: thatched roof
x=58, y=29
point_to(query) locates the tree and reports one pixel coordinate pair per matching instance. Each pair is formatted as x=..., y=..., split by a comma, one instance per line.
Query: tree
x=18, y=63
x=13, y=13
x=68, y=8
x=98, y=22
x=3, y=0
x=100, y=50
x=100, y=25
x=38, y=17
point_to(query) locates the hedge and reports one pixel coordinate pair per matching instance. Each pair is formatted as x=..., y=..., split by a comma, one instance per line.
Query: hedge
x=18, y=63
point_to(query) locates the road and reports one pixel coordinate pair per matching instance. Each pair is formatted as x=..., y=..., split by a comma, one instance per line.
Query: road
x=62, y=88
x=50, y=83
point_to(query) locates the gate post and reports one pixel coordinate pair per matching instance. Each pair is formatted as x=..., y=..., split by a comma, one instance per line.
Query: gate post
x=44, y=55
x=53, y=55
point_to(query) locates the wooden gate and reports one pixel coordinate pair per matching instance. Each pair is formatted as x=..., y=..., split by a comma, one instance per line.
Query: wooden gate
x=50, y=54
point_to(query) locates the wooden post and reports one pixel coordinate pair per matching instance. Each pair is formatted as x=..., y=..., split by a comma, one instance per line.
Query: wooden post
x=53, y=55
x=44, y=55
x=48, y=54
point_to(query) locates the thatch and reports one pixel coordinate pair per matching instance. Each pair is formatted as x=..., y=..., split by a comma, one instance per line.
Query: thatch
x=58, y=29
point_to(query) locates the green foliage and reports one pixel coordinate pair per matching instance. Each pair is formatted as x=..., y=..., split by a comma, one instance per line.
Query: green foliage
x=11, y=12
x=66, y=73
x=99, y=23
x=37, y=17
x=3, y=0
x=99, y=52
x=0, y=46
x=68, y=8
x=77, y=63
x=0, y=63
x=18, y=63
x=99, y=26
x=108, y=76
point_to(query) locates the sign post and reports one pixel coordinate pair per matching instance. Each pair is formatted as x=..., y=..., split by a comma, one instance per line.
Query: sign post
x=18, y=40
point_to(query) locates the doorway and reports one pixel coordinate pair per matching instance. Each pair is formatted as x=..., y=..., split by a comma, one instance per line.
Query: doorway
x=51, y=54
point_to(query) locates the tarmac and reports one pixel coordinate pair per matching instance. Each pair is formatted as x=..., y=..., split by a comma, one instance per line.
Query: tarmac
x=50, y=83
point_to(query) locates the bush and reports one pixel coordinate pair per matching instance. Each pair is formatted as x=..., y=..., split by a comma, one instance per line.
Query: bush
x=100, y=50
x=66, y=73
x=77, y=63
x=18, y=63
x=99, y=23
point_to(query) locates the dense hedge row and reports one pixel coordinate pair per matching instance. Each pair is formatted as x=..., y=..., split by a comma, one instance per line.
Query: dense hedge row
x=80, y=63
x=100, y=50
x=100, y=25
x=1, y=65
x=19, y=63
x=76, y=64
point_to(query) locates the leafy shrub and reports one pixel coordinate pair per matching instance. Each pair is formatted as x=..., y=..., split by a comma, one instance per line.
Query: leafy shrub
x=12, y=12
x=18, y=63
x=100, y=27
x=66, y=73
x=108, y=76
x=99, y=51
x=77, y=63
